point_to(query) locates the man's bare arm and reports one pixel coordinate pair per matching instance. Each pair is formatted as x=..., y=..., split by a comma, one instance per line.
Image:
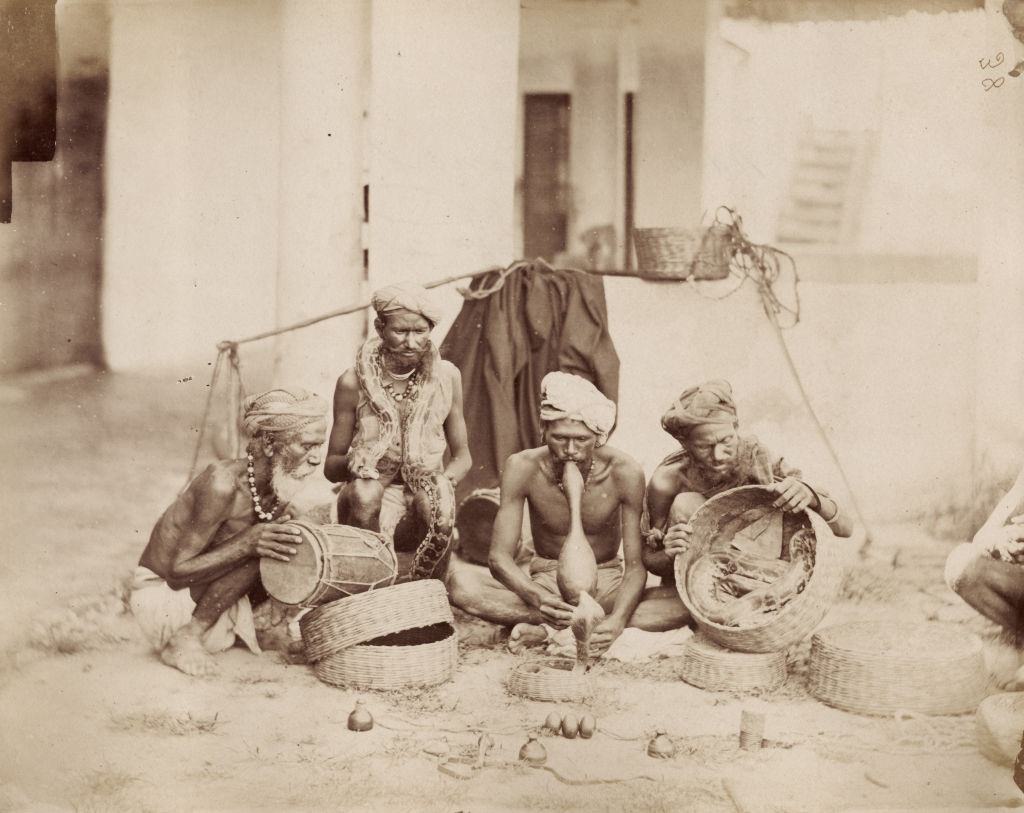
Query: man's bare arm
x=991, y=533
x=455, y=432
x=206, y=505
x=635, y=576
x=508, y=526
x=660, y=493
x=346, y=399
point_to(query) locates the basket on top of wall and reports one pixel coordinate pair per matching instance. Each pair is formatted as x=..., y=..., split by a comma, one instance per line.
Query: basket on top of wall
x=677, y=253
x=714, y=523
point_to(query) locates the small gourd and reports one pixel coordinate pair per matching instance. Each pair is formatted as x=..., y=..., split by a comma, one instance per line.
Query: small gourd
x=588, y=725
x=360, y=719
x=577, y=566
x=661, y=746
x=553, y=723
x=533, y=753
x=570, y=726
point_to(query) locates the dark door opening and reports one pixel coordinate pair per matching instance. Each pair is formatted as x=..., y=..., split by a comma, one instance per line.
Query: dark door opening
x=546, y=197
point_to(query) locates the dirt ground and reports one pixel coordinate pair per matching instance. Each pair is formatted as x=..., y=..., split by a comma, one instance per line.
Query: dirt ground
x=90, y=720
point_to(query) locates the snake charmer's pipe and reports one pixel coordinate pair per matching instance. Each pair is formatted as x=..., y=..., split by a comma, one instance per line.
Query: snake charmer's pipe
x=577, y=569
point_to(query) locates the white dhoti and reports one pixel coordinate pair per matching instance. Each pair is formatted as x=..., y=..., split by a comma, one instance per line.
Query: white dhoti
x=394, y=505
x=161, y=612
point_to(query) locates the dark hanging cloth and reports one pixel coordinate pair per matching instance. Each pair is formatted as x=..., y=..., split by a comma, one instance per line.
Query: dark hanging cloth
x=541, y=319
x=28, y=88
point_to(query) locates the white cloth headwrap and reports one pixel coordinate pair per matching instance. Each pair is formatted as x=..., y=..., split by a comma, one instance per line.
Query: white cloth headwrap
x=281, y=410
x=406, y=296
x=563, y=395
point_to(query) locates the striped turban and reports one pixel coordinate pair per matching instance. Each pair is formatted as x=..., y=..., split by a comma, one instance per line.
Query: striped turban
x=710, y=403
x=563, y=395
x=406, y=296
x=281, y=410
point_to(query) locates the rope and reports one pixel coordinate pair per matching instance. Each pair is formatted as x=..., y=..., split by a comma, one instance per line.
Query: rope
x=763, y=266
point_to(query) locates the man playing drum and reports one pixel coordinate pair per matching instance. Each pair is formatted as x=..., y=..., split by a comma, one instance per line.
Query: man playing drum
x=713, y=457
x=191, y=589
x=396, y=413
x=577, y=419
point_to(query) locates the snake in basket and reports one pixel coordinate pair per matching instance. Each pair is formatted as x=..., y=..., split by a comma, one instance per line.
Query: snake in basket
x=735, y=589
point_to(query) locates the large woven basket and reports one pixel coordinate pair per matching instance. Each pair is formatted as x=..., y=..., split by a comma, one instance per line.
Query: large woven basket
x=1000, y=726
x=872, y=667
x=424, y=656
x=706, y=665
x=674, y=253
x=550, y=679
x=796, y=619
x=358, y=619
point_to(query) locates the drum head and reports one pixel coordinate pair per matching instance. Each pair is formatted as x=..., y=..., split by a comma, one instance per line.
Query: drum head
x=294, y=581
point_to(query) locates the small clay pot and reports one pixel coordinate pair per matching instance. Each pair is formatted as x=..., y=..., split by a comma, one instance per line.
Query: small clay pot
x=533, y=753
x=360, y=719
x=588, y=725
x=570, y=727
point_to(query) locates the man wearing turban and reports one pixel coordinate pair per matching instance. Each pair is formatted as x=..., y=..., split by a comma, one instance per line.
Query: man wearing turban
x=397, y=413
x=191, y=589
x=713, y=457
x=577, y=420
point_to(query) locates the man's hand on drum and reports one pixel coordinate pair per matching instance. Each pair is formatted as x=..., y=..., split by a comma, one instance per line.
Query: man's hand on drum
x=677, y=538
x=794, y=496
x=556, y=612
x=362, y=468
x=275, y=540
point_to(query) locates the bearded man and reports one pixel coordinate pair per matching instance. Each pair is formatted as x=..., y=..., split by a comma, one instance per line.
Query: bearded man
x=396, y=414
x=191, y=590
x=577, y=419
x=713, y=457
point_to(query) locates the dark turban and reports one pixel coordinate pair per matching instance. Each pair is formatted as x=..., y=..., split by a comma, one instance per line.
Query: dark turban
x=711, y=402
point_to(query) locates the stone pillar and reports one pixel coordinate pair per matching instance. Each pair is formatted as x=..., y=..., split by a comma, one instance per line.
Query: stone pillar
x=442, y=119
x=324, y=73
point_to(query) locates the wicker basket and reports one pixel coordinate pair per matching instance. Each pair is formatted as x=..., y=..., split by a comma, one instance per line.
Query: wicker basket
x=340, y=624
x=798, y=618
x=1000, y=726
x=872, y=667
x=708, y=666
x=424, y=656
x=672, y=253
x=550, y=679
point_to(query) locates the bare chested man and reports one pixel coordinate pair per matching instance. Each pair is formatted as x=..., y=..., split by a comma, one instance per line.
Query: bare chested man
x=713, y=457
x=577, y=419
x=191, y=588
x=988, y=573
x=396, y=413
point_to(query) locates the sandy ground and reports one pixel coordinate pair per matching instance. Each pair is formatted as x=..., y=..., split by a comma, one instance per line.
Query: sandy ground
x=90, y=720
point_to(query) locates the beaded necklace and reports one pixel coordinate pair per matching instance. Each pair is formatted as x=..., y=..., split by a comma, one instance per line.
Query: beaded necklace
x=266, y=516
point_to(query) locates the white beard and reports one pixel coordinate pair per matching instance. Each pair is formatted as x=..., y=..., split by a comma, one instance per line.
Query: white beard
x=288, y=485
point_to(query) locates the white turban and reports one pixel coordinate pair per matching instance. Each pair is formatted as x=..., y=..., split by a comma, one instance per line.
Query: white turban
x=281, y=410
x=406, y=296
x=563, y=395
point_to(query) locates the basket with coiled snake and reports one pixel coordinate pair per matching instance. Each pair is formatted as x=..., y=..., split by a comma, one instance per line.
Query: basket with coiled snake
x=754, y=578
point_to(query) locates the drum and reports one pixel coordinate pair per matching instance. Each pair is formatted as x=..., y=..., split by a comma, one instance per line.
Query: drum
x=332, y=562
x=474, y=522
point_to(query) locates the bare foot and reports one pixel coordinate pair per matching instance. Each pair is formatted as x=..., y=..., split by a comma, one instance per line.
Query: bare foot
x=524, y=635
x=185, y=651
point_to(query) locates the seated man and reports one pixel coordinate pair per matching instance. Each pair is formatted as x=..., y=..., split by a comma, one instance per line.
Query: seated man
x=577, y=419
x=191, y=589
x=988, y=573
x=713, y=458
x=395, y=414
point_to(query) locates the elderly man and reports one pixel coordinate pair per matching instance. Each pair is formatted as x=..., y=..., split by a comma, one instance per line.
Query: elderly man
x=577, y=419
x=192, y=586
x=396, y=413
x=713, y=457
x=988, y=573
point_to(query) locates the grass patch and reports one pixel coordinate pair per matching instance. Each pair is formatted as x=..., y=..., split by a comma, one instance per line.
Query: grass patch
x=959, y=516
x=85, y=623
x=163, y=722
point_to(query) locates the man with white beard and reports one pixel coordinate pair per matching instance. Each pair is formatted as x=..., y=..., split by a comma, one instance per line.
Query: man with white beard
x=191, y=589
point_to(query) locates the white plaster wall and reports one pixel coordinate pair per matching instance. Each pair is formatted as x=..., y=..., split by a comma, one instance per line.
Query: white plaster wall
x=442, y=134
x=325, y=64
x=192, y=178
